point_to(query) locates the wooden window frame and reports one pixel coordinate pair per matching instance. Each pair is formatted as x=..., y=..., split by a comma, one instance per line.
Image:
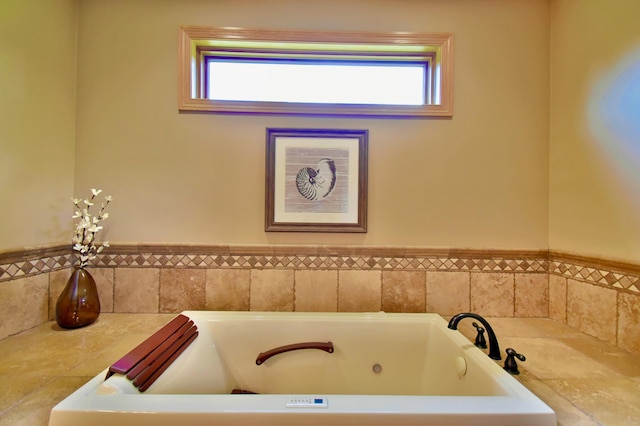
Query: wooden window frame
x=435, y=48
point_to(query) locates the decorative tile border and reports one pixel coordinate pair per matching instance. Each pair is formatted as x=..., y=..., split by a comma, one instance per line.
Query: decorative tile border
x=16, y=265
x=360, y=262
x=610, y=274
x=34, y=261
x=617, y=275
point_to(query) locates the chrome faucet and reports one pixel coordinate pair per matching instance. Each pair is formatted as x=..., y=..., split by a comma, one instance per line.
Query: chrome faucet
x=494, y=348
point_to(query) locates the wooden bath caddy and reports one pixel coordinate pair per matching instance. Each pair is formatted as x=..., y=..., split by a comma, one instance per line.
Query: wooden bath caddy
x=147, y=361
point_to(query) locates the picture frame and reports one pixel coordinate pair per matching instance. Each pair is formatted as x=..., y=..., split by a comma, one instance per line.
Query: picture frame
x=316, y=180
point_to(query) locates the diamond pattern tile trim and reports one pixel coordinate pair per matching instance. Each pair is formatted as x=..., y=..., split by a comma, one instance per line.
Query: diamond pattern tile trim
x=19, y=269
x=485, y=262
x=596, y=275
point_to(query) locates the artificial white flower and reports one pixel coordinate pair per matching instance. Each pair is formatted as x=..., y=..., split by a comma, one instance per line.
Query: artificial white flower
x=84, y=239
x=94, y=228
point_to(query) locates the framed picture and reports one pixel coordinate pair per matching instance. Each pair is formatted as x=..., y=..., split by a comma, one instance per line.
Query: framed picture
x=316, y=180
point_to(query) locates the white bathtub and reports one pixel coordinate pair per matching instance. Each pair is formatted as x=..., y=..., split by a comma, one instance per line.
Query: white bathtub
x=386, y=369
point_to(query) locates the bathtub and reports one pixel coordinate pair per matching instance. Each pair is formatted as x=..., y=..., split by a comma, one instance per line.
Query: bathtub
x=381, y=369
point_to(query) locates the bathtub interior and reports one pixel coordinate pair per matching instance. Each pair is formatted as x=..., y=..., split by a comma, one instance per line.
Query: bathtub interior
x=374, y=354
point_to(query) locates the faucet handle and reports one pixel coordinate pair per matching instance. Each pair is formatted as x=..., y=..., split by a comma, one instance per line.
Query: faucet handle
x=480, y=342
x=510, y=364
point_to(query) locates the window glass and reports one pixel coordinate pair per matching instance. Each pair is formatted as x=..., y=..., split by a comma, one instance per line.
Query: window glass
x=316, y=82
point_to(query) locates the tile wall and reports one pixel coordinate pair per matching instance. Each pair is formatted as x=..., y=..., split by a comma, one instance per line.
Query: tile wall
x=600, y=299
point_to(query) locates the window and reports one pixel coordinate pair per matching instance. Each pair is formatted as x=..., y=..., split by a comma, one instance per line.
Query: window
x=315, y=81
x=239, y=70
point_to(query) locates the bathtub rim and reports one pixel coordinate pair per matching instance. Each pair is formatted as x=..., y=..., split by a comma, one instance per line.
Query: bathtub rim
x=519, y=401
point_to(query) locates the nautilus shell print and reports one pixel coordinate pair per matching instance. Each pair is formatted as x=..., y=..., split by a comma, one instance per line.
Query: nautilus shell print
x=316, y=184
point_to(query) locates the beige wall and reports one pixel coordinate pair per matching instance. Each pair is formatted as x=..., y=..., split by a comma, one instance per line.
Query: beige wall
x=478, y=180
x=595, y=128
x=37, y=121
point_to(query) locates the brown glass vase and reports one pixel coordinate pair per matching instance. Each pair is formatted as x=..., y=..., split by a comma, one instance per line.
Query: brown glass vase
x=78, y=305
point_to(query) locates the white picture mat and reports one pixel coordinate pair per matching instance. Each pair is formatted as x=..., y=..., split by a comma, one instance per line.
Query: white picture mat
x=281, y=145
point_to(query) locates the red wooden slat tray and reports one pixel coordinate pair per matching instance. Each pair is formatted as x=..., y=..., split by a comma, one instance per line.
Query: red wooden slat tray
x=147, y=361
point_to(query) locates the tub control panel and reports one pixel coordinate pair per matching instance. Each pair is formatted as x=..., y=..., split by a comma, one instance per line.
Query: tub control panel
x=307, y=402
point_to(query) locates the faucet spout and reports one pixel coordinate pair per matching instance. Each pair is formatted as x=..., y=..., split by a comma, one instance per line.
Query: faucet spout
x=494, y=348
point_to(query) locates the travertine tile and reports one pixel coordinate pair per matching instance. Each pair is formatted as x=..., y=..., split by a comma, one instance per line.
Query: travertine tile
x=271, y=290
x=592, y=310
x=228, y=289
x=13, y=391
x=549, y=358
x=103, y=357
x=41, y=354
x=104, y=278
x=629, y=322
x=532, y=295
x=448, y=292
x=492, y=294
x=359, y=291
x=609, y=401
x=316, y=291
x=558, y=298
x=546, y=327
x=516, y=327
x=35, y=409
x=24, y=303
x=404, y=291
x=136, y=290
x=117, y=326
x=39, y=351
x=612, y=357
x=182, y=289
